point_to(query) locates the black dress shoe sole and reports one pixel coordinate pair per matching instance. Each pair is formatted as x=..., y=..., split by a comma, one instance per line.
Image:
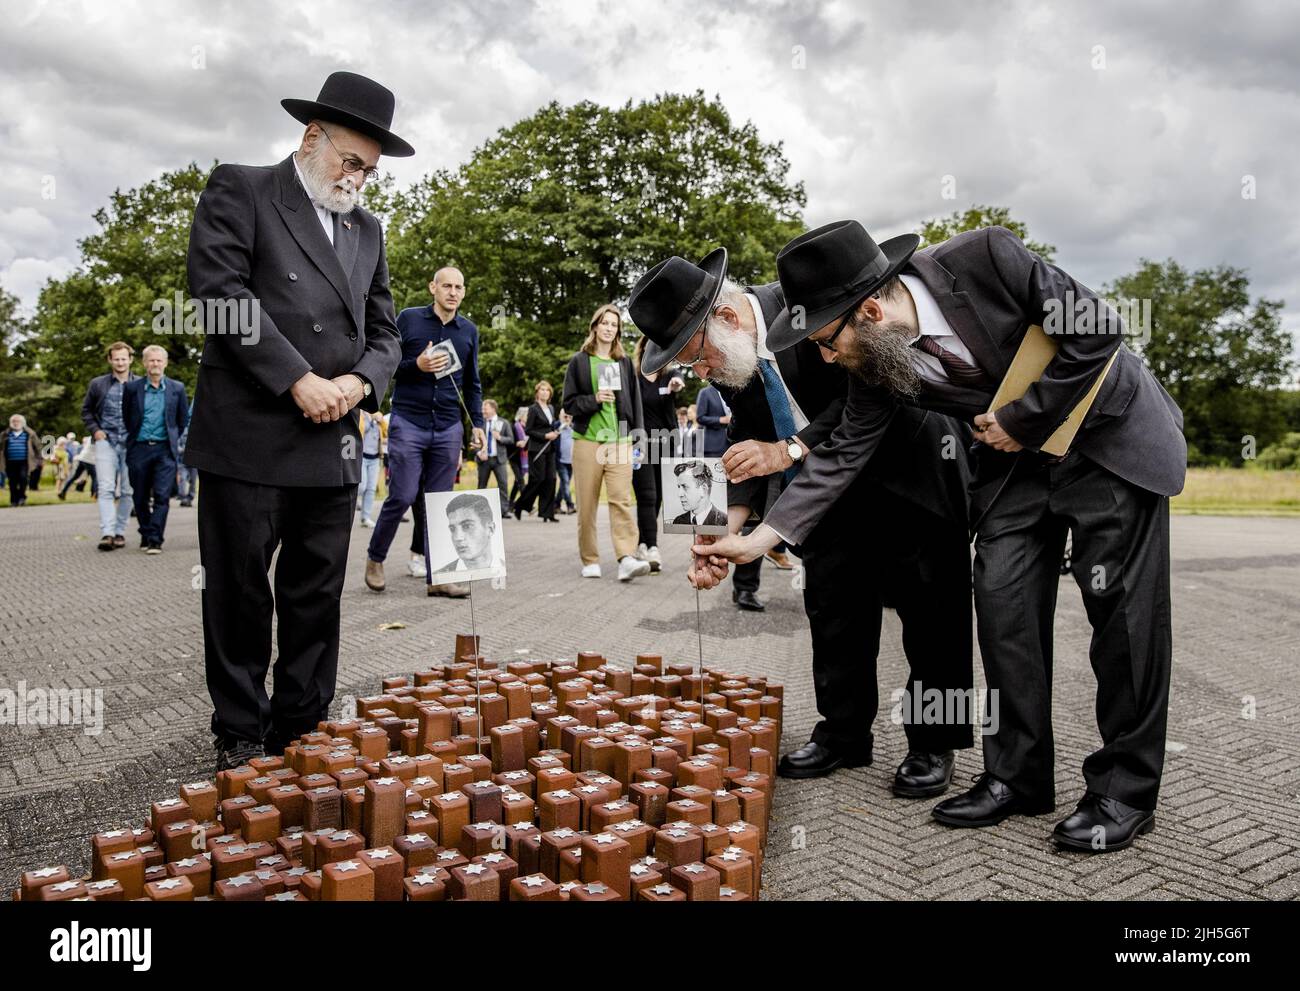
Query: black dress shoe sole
x=920, y=791
x=1087, y=847
x=803, y=773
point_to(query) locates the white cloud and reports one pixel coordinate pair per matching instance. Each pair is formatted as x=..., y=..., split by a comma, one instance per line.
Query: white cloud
x=1144, y=157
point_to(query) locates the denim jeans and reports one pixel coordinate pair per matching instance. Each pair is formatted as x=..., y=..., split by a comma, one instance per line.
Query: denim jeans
x=419, y=460
x=566, y=473
x=366, y=487
x=110, y=473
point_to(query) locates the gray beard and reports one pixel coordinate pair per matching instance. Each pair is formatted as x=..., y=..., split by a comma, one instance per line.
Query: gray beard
x=881, y=356
x=335, y=196
x=739, y=356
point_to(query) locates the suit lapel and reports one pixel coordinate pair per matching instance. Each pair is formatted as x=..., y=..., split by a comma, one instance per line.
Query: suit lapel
x=299, y=216
x=961, y=314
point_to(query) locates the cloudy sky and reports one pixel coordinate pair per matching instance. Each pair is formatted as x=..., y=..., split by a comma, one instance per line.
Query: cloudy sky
x=1115, y=131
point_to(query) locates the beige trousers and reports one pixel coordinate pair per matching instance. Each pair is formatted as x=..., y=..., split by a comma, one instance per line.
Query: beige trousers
x=611, y=464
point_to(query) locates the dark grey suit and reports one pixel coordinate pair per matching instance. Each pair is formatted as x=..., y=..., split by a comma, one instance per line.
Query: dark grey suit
x=271, y=477
x=1111, y=491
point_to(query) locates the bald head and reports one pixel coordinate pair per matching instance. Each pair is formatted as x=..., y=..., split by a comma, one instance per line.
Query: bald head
x=448, y=289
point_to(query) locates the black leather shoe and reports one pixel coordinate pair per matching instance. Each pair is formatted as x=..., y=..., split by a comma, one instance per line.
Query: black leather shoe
x=748, y=601
x=812, y=760
x=1101, y=824
x=923, y=775
x=987, y=804
x=232, y=753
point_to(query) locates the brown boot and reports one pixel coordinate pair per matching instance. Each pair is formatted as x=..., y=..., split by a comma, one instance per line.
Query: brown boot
x=374, y=575
x=452, y=591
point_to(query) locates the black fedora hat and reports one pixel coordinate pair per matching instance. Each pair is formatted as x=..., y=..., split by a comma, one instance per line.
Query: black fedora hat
x=670, y=301
x=827, y=272
x=357, y=102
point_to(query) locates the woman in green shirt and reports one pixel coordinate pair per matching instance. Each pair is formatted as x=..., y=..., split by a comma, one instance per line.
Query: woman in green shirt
x=602, y=394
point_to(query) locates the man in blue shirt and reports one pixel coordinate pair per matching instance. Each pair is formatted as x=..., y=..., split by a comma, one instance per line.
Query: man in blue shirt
x=426, y=431
x=155, y=414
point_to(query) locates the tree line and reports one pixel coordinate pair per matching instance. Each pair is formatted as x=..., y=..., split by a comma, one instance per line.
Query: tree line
x=560, y=213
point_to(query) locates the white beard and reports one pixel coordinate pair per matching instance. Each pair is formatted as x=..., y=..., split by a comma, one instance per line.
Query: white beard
x=739, y=355
x=339, y=196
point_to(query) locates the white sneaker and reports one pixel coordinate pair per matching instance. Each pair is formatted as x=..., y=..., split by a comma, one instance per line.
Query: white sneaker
x=652, y=555
x=642, y=554
x=415, y=567
x=629, y=568
x=591, y=571
x=368, y=523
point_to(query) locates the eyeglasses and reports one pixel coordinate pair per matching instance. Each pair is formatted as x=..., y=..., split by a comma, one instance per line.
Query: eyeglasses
x=704, y=335
x=828, y=344
x=351, y=163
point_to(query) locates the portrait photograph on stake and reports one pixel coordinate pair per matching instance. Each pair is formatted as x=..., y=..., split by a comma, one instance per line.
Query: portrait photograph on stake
x=466, y=539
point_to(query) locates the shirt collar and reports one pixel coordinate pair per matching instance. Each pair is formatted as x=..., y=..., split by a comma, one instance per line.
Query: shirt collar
x=928, y=315
x=760, y=325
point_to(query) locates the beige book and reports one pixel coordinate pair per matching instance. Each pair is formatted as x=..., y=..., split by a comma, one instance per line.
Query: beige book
x=1032, y=357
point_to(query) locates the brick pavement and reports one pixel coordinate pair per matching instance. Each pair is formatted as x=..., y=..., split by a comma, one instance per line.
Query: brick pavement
x=1228, y=826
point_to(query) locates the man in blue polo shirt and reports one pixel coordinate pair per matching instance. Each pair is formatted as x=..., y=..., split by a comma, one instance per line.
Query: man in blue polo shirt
x=426, y=432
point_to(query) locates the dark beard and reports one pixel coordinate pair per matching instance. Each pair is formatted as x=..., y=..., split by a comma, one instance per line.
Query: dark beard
x=880, y=355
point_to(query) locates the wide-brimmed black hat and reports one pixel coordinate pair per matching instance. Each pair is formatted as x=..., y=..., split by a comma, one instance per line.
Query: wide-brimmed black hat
x=356, y=102
x=670, y=302
x=827, y=272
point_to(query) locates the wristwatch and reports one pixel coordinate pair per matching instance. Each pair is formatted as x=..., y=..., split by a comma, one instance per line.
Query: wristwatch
x=366, y=390
x=794, y=449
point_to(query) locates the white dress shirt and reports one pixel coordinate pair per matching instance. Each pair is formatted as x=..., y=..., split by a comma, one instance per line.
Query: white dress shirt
x=324, y=216
x=800, y=421
x=933, y=324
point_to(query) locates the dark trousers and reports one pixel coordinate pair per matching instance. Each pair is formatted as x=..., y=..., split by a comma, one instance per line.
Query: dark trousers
x=649, y=502
x=420, y=459
x=520, y=480
x=152, y=470
x=83, y=468
x=17, y=472
x=872, y=551
x=541, y=484
x=1121, y=565
x=240, y=526
x=495, y=467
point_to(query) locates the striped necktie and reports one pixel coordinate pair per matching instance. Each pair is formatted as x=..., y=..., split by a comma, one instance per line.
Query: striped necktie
x=959, y=372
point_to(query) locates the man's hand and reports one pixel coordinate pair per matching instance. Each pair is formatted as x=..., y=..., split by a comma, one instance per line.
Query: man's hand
x=350, y=385
x=100, y=435
x=320, y=400
x=675, y=384
x=752, y=458
x=479, y=441
x=989, y=432
x=551, y=435
x=434, y=361
x=725, y=420
x=702, y=574
x=481, y=454
x=605, y=396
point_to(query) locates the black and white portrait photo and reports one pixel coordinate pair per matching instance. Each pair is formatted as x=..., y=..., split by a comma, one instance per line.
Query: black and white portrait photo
x=610, y=378
x=465, y=537
x=453, y=358
x=695, y=495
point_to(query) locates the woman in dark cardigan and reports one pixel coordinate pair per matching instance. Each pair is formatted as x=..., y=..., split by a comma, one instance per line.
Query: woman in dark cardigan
x=603, y=395
x=543, y=435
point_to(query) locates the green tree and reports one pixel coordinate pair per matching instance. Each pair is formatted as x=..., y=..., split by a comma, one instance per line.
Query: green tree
x=23, y=388
x=564, y=210
x=135, y=258
x=975, y=217
x=1221, y=355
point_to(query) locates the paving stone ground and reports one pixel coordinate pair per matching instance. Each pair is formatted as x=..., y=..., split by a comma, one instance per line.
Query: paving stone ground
x=1228, y=822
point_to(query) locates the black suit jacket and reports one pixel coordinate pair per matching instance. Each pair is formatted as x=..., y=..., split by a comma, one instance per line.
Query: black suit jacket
x=991, y=289
x=901, y=464
x=536, y=426
x=175, y=411
x=716, y=517
x=323, y=309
